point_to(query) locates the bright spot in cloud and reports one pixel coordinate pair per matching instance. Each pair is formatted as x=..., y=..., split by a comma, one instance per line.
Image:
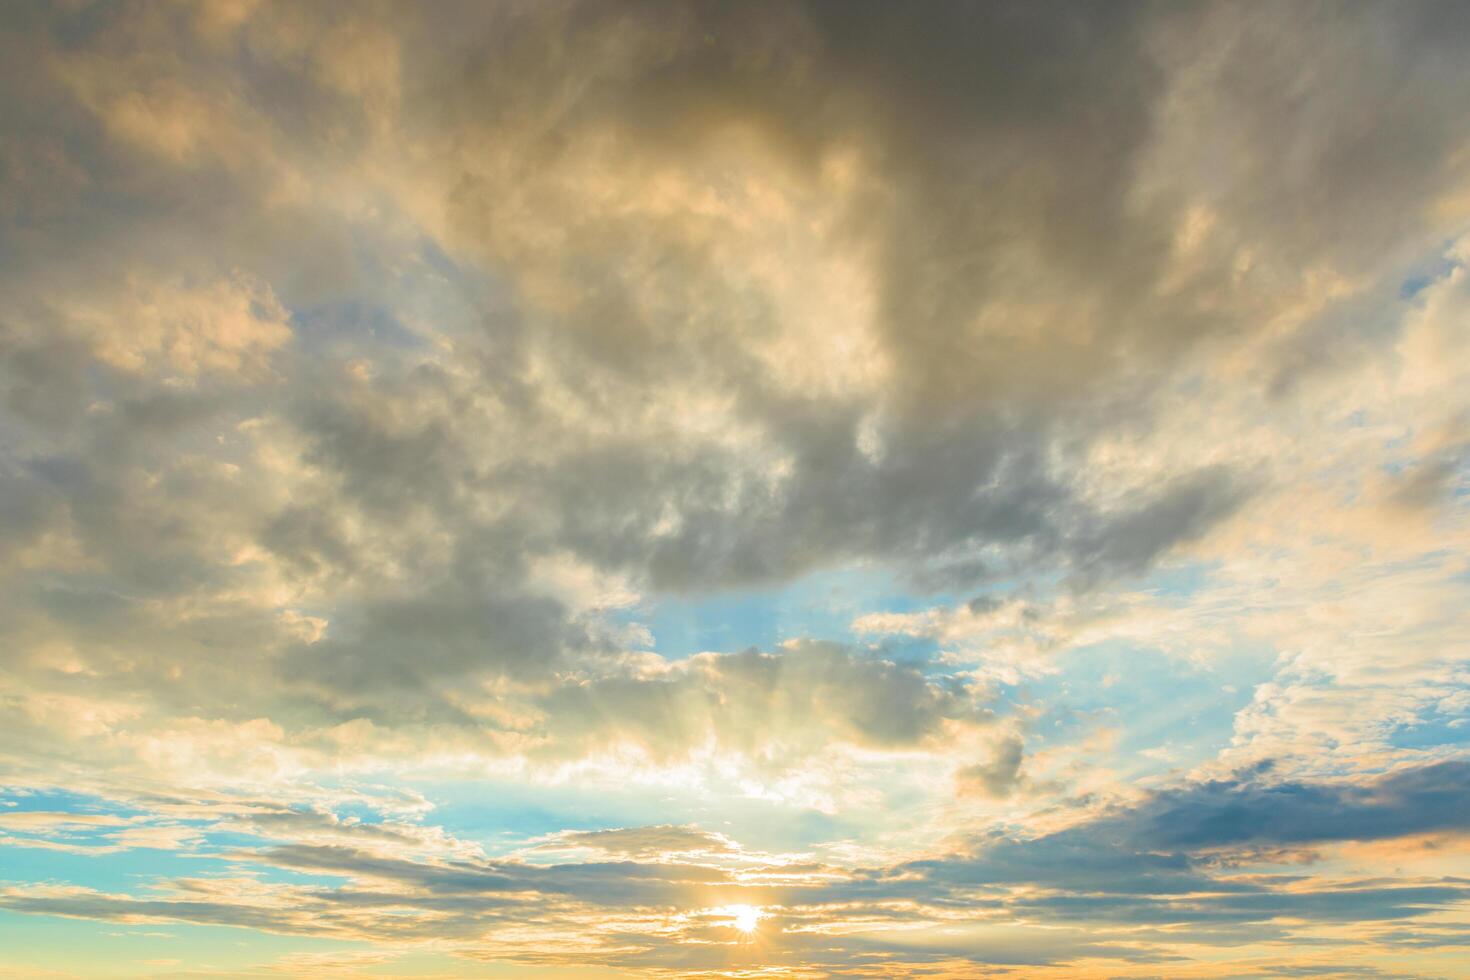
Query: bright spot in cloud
x=747, y=917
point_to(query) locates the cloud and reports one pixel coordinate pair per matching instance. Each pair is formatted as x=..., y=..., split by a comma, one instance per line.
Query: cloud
x=1162, y=845
x=1152, y=868
x=1224, y=813
x=378, y=385
x=796, y=700
x=642, y=842
x=632, y=386
x=999, y=775
x=1181, y=512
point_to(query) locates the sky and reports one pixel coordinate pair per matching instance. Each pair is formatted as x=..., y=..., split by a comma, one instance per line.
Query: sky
x=756, y=490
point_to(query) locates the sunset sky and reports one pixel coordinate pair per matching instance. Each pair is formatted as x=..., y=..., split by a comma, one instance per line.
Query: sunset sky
x=550, y=490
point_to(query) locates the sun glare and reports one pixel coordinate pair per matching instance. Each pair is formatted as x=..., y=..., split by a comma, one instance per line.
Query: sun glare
x=747, y=917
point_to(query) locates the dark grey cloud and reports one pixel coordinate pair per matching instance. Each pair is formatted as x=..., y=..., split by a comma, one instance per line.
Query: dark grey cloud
x=999, y=775
x=399, y=645
x=1132, y=540
x=1157, y=860
x=1227, y=813
x=1017, y=178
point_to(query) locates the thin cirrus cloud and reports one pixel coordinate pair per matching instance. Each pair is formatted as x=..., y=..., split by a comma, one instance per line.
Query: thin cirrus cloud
x=494, y=487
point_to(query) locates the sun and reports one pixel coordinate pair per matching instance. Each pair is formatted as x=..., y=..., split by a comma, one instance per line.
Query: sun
x=747, y=917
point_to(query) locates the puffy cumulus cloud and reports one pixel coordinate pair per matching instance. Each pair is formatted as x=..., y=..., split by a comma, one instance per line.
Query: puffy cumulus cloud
x=641, y=377
x=374, y=378
x=731, y=201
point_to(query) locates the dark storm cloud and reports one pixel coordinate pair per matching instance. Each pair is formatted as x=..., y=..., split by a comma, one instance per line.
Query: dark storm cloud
x=1013, y=283
x=1020, y=175
x=977, y=151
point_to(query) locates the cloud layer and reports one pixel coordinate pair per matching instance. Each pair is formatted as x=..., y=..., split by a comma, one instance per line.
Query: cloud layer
x=985, y=486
